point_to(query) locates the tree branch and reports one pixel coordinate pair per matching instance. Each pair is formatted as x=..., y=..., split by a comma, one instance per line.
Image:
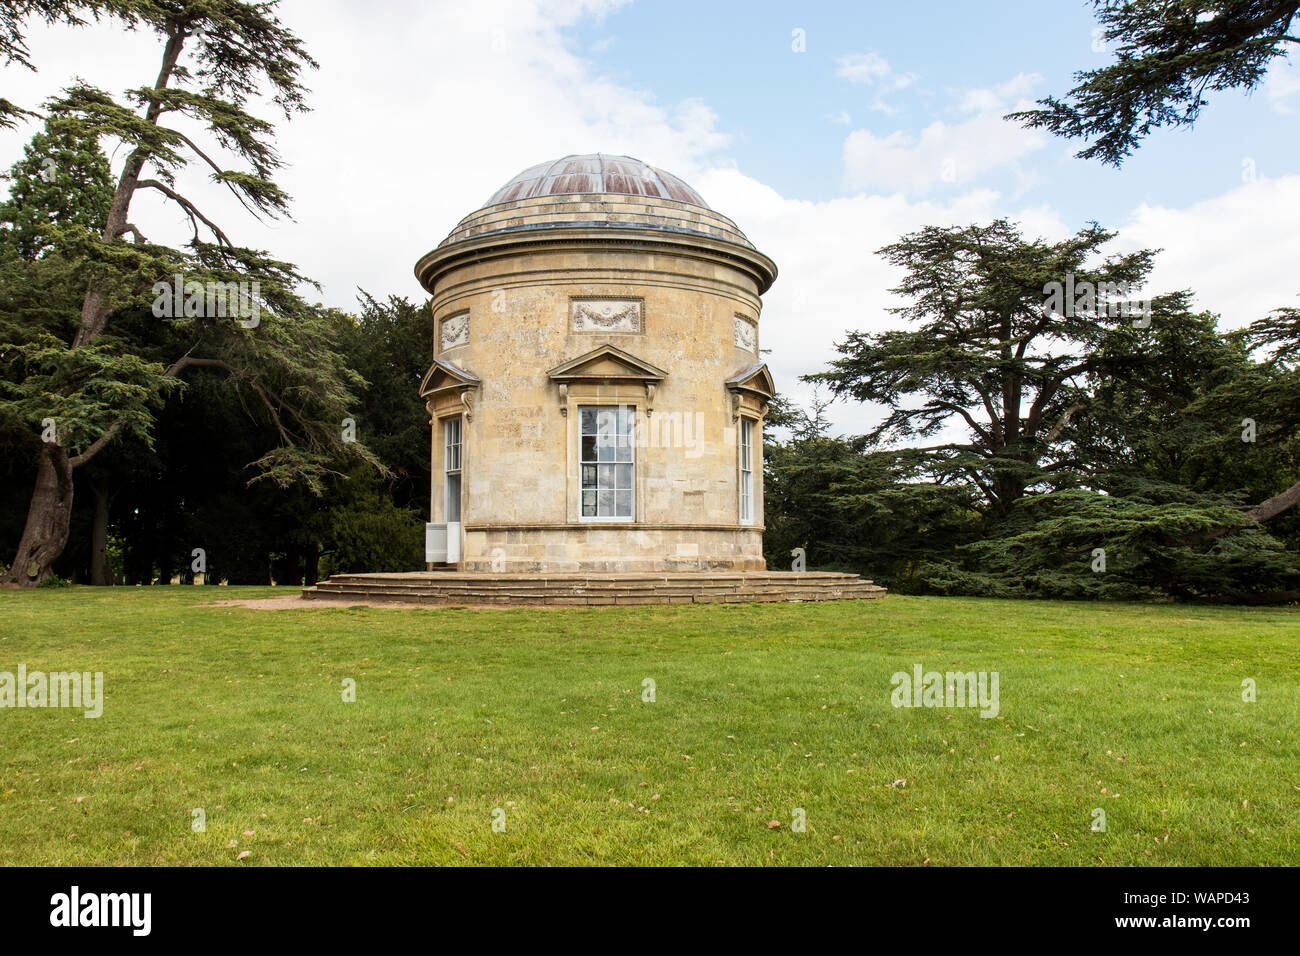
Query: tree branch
x=1276, y=505
x=191, y=210
x=1064, y=420
x=130, y=227
x=215, y=168
x=173, y=370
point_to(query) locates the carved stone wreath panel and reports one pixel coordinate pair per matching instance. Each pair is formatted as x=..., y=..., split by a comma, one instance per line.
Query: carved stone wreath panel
x=607, y=315
x=453, y=331
x=746, y=335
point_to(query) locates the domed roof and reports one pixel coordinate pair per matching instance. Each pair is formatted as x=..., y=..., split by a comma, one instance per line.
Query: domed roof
x=596, y=173
x=599, y=200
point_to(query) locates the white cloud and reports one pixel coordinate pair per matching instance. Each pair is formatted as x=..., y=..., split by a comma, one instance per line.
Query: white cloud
x=956, y=153
x=1236, y=251
x=421, y=111
x=997, y=99
x=871, y=68
x=1281, y=84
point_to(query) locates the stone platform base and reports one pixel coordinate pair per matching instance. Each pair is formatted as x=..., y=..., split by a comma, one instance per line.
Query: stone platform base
x=705, y=587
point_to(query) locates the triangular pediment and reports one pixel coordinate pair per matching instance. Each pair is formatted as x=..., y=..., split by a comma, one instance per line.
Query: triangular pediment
x=607, y=364
x=753, y=378
x=442, y=375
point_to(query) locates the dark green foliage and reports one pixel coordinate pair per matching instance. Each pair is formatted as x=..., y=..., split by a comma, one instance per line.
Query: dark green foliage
x=1155, y=542
x=62, y=181
x=390, y=345
x=853, y=510
x=1170, y=447
x=77, y=362
x=989, y=351
x=1167, y=56
x=190, y=488
x=368, y=532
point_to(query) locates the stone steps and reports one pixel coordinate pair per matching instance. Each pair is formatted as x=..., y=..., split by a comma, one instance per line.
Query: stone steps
x=456, y=587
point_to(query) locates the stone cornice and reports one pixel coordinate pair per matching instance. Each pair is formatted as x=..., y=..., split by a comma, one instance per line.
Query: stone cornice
x=594, y=236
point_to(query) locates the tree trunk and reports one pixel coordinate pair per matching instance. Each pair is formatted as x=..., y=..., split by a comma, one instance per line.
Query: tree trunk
x=48, y=518
x=313, y=565
x=293, y=566
x=99, y=535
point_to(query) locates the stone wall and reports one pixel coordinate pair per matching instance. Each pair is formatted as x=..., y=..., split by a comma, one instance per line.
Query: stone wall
x=612, y=548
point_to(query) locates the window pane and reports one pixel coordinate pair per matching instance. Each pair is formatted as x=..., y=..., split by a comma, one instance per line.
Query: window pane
x=453, y=497
x=607, y=473
x=746, y=470
x=451, y=444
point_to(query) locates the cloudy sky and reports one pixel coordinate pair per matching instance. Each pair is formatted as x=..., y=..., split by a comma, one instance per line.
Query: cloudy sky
x=826, y=130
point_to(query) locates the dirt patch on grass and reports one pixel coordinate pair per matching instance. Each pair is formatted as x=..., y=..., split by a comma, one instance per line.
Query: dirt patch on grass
x=296, y=603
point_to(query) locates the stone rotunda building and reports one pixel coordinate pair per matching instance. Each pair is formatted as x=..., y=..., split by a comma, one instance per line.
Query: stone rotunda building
x=597, y=396
x=597, y=393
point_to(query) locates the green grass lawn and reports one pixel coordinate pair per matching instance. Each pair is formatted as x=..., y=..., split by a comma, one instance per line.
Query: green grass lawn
x=759, y=710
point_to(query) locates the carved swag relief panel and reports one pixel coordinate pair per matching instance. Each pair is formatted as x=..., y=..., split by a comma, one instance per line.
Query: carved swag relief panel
x=746, y=335
x=607, y=315
x=453, y=331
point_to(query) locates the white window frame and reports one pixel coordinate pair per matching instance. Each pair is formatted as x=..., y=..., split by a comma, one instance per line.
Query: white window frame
x=583, y=463
x=452, y=463
x=746, y=440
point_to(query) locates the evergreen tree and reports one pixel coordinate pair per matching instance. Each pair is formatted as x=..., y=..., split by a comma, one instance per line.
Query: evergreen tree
x=1167, y=56
x=62, y=181
x=92, y=382
x=994, y=351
